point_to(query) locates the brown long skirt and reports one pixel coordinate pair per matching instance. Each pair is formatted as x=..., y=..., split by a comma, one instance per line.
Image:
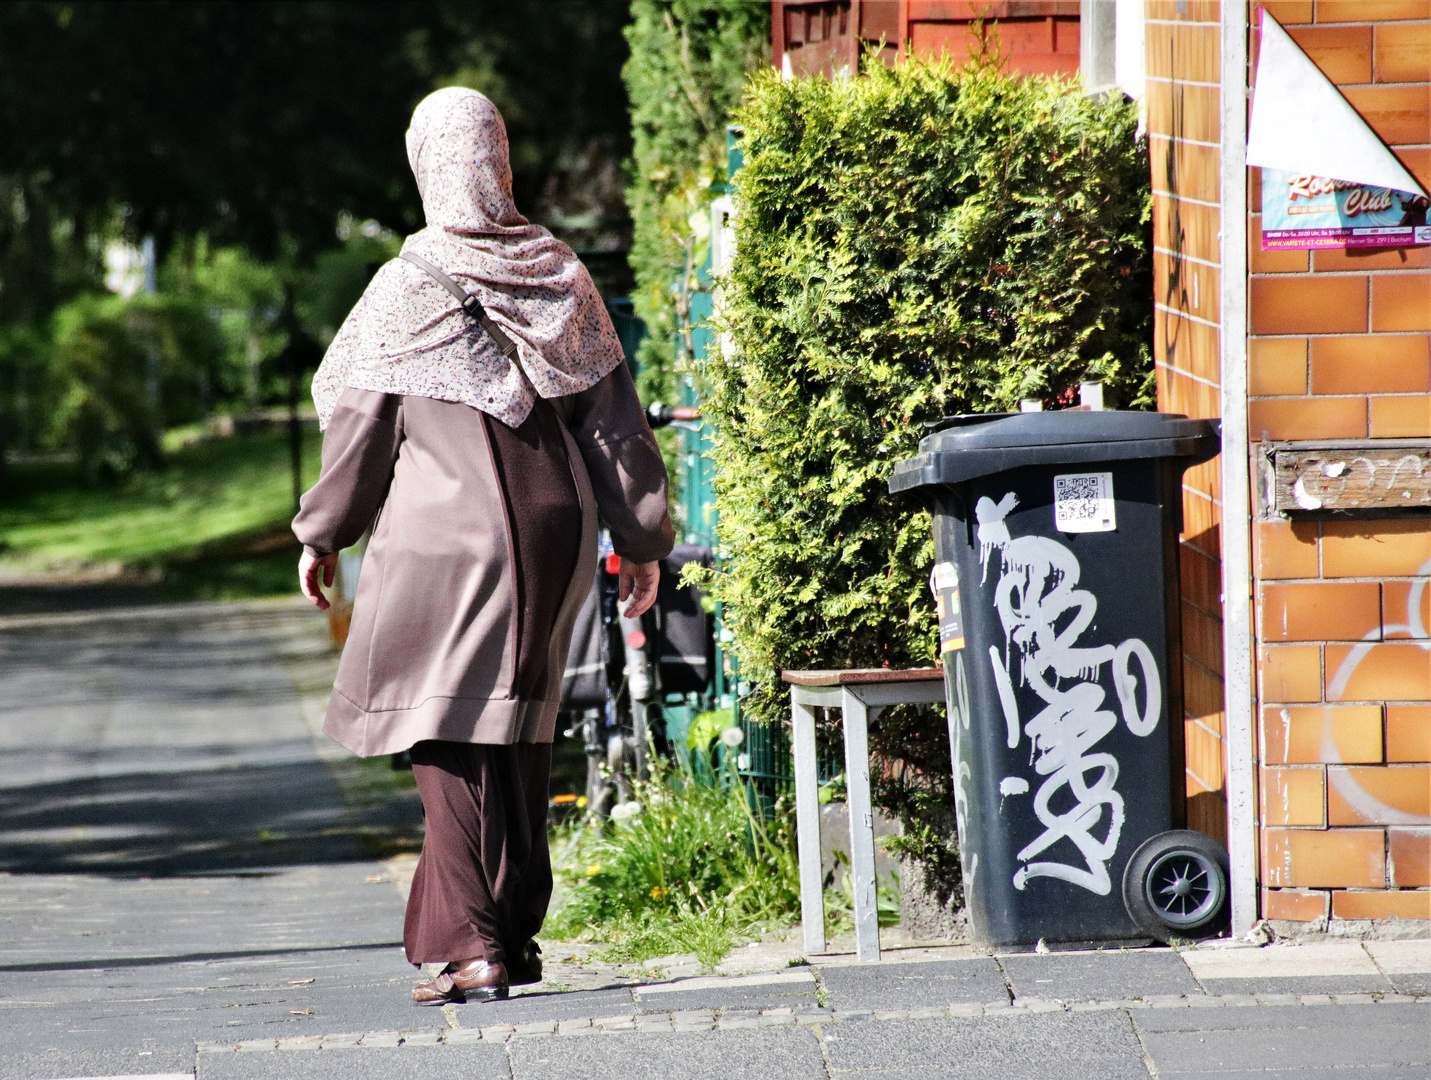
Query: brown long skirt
x=484, y=880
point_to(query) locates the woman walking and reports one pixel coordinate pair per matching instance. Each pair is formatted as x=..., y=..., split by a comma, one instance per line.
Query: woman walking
x=484, y=438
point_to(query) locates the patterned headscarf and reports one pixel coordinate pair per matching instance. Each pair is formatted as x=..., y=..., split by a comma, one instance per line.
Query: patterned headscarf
x=407, y=334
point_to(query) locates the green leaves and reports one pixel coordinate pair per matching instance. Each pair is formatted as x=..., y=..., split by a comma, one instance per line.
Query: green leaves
x=694, y=862
x=918, y=241
x=115, y=357
x=689, y=60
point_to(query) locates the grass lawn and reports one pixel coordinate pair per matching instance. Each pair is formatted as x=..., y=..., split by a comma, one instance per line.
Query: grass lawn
x=213, y=523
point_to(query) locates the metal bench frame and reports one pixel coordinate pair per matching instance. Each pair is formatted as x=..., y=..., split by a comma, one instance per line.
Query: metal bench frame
x=860, y=694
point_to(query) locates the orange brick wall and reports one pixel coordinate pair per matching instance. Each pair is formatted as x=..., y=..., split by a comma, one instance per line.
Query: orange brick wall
x=1183, y=132
x=1339, y=349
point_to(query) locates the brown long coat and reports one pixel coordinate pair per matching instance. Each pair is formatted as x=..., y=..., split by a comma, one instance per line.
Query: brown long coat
x=483, y=550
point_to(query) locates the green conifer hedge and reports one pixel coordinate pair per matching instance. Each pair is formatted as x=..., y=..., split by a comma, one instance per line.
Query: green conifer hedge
x=919, y=241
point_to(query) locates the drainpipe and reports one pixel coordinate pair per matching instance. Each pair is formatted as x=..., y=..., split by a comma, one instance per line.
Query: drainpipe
x=1098, y=45
x=1237, y=639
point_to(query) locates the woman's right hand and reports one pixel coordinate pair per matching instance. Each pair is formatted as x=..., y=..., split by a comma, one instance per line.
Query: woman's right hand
x=638, y=582
x=309, y=569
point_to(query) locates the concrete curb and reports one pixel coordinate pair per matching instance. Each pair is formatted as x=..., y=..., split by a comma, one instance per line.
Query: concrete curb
x=727, y=1019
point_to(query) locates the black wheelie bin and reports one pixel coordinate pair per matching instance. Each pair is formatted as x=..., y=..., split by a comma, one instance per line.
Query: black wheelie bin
x=1056, y=584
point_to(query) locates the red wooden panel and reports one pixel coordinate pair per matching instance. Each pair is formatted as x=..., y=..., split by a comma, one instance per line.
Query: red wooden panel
x=825, y=36
x=965, y=11
x=930, y=39
x=1047, y=46
x=880, y=19
x=818, y=36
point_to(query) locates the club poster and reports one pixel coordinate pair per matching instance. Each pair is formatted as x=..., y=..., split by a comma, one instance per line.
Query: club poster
x=1301, y=211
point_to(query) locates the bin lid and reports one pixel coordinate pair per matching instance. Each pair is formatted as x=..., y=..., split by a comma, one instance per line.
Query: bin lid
x=969, y=449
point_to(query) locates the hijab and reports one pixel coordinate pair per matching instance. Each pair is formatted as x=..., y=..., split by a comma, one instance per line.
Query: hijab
x=407, y=335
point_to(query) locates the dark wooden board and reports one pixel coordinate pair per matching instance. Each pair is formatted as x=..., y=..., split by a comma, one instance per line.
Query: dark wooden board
x=1350, y=479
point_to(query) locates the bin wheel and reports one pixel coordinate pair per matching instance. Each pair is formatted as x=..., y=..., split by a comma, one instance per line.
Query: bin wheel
x=1175, y=885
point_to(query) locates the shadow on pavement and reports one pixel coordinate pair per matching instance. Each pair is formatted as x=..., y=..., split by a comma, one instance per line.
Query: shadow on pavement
x=151, y=742
x=177, y=819
x=70, y=599
x=116, y=962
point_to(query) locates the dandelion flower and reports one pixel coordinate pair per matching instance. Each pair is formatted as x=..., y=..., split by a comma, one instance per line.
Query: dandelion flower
x=624, y=810
x=593, y=869
x=732, y=737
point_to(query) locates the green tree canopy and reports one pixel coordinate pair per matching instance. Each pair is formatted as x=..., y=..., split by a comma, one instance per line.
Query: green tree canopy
x=260, y=119
x=246, y=136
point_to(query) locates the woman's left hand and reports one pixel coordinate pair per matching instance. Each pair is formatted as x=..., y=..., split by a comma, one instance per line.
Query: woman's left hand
x=638, y=581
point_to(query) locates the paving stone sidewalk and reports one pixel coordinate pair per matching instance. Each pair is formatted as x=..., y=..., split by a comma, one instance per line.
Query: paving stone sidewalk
x=342, y=1011
x=132, y=737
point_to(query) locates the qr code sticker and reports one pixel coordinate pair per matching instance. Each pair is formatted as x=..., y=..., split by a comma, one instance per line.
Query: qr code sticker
x=1083, y=502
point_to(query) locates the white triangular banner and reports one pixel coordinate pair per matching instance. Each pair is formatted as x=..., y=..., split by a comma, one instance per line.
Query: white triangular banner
x=1302, y=124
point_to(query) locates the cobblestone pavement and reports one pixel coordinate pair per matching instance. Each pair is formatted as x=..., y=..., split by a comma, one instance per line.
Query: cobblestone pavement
x=195, y=886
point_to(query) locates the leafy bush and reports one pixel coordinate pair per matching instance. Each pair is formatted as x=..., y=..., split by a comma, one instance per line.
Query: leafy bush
x=327, y=292
x=689, y=60
x=919, y=241
x=690, y=869
x=246, y=298
x=28, y=388
x=122, y=361
x=243, y=297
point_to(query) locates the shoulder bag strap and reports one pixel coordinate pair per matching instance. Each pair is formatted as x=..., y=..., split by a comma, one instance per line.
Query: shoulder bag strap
x=470, y=304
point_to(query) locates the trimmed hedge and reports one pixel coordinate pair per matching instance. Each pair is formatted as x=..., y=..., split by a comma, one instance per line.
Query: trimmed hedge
x=919, y=241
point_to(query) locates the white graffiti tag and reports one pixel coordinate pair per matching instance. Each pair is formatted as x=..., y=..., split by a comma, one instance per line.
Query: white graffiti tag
x=1044, y=614
x=960, y=715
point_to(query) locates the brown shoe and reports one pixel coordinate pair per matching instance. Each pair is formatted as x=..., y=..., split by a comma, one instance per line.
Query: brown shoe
x=476, y=980
x=524, y=965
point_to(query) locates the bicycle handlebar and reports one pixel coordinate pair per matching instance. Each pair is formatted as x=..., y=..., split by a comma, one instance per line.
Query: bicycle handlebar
x=661, y=415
